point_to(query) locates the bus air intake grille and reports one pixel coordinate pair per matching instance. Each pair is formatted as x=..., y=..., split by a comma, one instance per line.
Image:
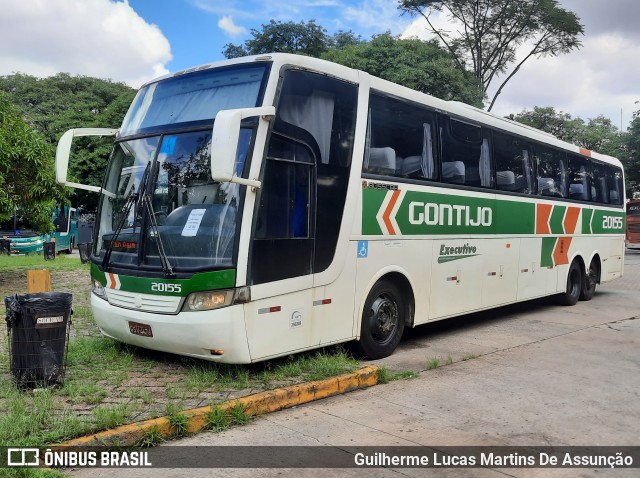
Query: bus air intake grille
x=144, y=302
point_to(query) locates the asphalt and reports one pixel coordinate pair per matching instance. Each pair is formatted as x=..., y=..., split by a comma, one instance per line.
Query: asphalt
x=540, y=375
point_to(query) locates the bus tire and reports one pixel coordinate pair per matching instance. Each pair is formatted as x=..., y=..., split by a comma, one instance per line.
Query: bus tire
x=574, y=285
x=590, y=281
x=383, y=319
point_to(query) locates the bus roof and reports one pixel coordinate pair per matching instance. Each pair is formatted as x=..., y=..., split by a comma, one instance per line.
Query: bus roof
x=454, y=108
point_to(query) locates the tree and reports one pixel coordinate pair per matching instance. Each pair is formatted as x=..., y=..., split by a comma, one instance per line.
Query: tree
x=632, y=160
x=27, y=177
x=423, y=66
x=596, y=134
x=492, y=31
x=55, y=104
x=558, y=123
x=302, y=38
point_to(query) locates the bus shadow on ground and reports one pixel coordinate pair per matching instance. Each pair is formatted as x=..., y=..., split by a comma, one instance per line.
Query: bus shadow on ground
x=475, y=320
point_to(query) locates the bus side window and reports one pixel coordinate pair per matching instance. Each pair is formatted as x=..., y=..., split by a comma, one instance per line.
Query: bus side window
x=615, y=184
x=465, y=153
x=399, y=139
x=578, y=178
x=551, y=177
x=513, y=165
x=599, y=187
x=60, y=221
x=285, y=200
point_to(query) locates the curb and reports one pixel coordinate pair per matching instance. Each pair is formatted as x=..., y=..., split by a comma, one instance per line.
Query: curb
x=257, y=404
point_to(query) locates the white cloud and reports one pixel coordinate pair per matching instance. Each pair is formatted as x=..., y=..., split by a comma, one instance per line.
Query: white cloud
x=226, y=24
x=600, y=78
x=100, y=38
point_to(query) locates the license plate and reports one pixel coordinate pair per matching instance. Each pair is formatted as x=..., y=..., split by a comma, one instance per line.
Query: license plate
x=137, y=328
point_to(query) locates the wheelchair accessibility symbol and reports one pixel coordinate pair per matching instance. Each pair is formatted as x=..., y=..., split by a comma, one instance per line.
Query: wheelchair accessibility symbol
x=363, y=249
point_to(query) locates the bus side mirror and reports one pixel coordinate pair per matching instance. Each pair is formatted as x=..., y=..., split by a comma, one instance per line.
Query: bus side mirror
x=64, y=149
x=224, y=142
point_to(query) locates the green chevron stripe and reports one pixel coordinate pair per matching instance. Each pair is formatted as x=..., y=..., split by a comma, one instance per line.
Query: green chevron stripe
x=548, y=245
x=557, y=216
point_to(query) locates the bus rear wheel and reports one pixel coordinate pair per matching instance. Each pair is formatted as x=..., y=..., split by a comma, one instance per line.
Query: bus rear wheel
x=590, y=281
x=383, y=319
x=574, y=285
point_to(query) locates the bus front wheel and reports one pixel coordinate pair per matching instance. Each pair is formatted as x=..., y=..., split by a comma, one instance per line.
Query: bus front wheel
x=574, y=285
x=383, y=319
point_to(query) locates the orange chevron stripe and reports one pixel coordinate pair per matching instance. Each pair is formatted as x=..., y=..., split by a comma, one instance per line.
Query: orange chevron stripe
x=543, y=213
x=571, y=219
x=561, y=251
x=386, y=217
x=113, y=280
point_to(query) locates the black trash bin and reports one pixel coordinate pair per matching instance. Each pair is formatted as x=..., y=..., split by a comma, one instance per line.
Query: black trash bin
x=85, y=251
x=49, y=250
x=38, y=328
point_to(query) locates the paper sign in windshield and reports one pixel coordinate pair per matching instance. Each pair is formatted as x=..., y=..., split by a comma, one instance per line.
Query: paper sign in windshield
x=193, y=222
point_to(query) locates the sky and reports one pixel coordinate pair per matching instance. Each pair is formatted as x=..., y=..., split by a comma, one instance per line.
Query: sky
x=137, y=40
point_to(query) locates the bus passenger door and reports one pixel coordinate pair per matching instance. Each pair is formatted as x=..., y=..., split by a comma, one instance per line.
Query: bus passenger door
x=278, y=320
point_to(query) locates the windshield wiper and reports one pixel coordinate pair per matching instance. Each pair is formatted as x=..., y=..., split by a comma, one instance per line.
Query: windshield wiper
x=164, y=259
x=131, y=200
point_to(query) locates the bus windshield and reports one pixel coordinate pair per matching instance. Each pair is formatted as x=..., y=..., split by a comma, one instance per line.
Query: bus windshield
x=192, y=98
x=158, y=196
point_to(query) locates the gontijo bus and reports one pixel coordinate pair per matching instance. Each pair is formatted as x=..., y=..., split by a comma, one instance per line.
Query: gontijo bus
x=633, y=225
x=273, y=204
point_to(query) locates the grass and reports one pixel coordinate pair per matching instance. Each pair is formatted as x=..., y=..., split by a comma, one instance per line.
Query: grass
x=62, y=262
x=111, y=416
x=385, y=376
x=177, y=420
x=218, y=419
x=436, y=362
x=152, y=437
x=466, y=357
x=433, y=363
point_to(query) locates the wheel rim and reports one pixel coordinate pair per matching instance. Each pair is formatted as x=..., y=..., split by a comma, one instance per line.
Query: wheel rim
x=383, y=319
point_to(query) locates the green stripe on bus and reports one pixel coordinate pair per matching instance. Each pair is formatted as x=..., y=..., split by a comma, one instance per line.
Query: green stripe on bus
x=213, y=280
x=426, y=213
x=608, y=222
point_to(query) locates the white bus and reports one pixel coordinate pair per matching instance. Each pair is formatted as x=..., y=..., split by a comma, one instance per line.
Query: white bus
x=268, y=205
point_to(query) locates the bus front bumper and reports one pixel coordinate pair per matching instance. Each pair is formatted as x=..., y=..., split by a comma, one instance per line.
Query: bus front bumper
x=202, y=335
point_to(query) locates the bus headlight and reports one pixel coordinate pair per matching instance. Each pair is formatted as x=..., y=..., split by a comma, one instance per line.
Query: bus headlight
x=199, y=301
x=98, y=289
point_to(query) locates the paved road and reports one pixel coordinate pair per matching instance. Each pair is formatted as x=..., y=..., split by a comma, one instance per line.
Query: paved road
x=544, y=375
